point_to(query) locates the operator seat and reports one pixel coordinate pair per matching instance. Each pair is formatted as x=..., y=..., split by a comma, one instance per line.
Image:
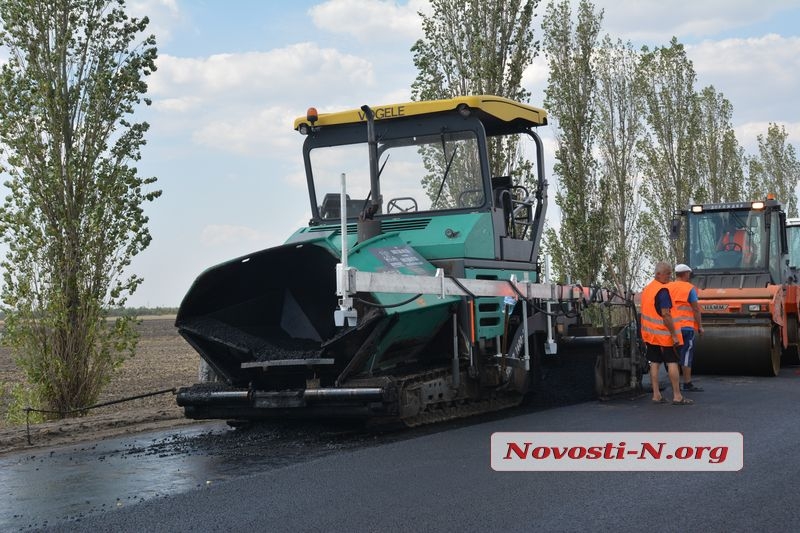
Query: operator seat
x=501, y=190
x=735, y=249
x=331, y=205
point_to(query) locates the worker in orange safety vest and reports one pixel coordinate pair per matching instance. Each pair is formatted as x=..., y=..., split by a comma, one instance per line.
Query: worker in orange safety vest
x=662, y=339
x=686, y=317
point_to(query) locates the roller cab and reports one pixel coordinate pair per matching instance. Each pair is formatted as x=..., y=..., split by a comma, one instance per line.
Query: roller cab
x=738, y=254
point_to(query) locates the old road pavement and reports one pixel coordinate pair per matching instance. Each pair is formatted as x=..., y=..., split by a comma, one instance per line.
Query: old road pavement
x=442, y=480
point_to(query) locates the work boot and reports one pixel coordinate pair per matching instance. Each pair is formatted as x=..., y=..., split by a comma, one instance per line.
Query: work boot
x=690, y=387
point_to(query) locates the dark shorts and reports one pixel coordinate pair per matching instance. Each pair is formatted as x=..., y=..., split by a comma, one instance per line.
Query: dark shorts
x=662, y=354
x=687, y=348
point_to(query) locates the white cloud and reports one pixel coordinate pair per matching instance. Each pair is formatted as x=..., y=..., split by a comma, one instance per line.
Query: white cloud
x=223, y=234
x=163, y=15
x=748, y=133
x=399, y=95
x=246, y=103
x=297, y=179
x=772, y=56
x=276, y=72
x=370, y=20
x=657, y=21
x=760, y=76
x=793, y=129
x=177, y=105
x=534, y=79
x=249, y=133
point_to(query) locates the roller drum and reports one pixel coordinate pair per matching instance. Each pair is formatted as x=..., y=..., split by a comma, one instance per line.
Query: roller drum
x=740, y=348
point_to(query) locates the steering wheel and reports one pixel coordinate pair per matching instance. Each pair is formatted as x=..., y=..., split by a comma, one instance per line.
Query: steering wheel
x=465, y=193
x=394, y=204
x=732, y=247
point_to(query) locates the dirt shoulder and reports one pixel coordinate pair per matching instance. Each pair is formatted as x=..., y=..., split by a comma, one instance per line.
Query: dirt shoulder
x=163, y=361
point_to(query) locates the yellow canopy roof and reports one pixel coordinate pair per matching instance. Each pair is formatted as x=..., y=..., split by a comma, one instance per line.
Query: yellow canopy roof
x=491, y=108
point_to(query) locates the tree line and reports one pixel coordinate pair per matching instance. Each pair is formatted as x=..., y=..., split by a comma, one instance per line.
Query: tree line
x=651, y=141
x=637, y=139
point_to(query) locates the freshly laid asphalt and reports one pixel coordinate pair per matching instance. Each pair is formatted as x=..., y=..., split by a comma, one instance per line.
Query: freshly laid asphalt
x=443, y=481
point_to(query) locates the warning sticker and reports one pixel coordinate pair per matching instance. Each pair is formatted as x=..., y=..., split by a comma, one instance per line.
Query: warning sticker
x=400, y=257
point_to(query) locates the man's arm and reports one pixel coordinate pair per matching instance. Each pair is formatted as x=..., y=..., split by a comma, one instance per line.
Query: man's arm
x=697, y=317
x=696, y=309
x=666, y=316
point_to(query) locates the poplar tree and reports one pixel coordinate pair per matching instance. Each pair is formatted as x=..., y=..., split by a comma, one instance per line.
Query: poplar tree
x=775, y=170
x=73, y=218
x=579, y=245
x=669, y=151
x=478, y=47
x=720, y=176
x=620, y=127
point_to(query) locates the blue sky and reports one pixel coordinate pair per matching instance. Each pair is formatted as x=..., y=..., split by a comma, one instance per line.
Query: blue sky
x=234, y=74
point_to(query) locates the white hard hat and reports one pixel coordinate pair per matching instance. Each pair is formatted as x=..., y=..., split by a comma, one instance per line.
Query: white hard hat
x=682, y=268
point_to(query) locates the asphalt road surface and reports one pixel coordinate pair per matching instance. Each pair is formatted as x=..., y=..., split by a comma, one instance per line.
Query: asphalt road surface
x=441, y=479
